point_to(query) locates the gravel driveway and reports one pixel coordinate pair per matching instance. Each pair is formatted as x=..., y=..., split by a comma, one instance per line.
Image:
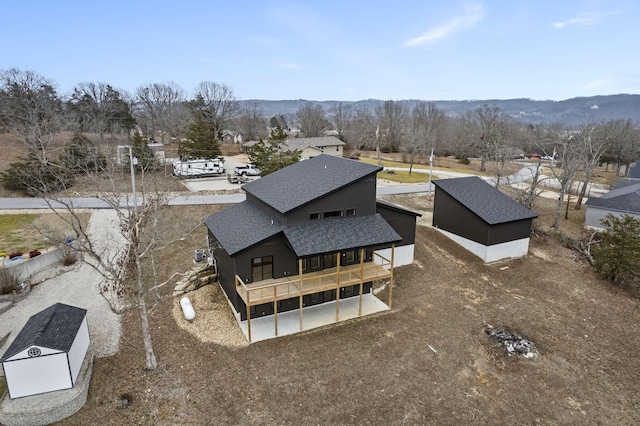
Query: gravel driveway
x=76, y=287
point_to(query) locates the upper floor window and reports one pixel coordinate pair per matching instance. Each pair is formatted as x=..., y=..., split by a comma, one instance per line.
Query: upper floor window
x=336, y=213
x=351, y=212
x=262, y=268
x=314, y=216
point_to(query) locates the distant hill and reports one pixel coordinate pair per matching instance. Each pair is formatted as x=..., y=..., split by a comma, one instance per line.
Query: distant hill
x=570, y=112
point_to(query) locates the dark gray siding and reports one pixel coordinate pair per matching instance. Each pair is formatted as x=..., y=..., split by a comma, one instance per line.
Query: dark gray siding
x=403, y=223
x=226, y=271
x=450, y=215
x=359, y=195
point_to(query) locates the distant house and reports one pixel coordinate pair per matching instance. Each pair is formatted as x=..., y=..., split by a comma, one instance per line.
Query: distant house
x=48, y=353
x=481, y=218
x=230, y=136
x=308, y=234
x=623, y=199
x=312, y=147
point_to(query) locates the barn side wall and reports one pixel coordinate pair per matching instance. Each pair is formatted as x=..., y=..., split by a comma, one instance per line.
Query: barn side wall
x=32, y=376
x=79, y=350
x=493, y=253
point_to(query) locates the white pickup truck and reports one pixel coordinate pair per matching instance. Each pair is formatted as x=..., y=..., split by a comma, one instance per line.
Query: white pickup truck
x=248, y=170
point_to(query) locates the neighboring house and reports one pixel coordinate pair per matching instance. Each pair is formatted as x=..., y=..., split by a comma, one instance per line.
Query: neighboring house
x=48, y=353
x=308, y=234
x=312, y=147
x=230, y=136
x=481, y=218
x=623, y=199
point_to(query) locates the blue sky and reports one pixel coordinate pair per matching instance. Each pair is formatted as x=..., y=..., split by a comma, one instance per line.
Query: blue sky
x=333, y=49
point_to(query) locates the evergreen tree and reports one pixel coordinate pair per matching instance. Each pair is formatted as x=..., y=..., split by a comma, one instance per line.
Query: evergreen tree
x=143, y=156
x=201, y=141
x=617, y=257
x=273, y=154
x=82, y=155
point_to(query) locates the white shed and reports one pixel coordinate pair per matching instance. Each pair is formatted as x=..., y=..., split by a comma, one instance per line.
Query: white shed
x=48, y=352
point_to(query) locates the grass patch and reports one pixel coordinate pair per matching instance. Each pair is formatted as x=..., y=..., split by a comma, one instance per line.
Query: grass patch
x=403, y=176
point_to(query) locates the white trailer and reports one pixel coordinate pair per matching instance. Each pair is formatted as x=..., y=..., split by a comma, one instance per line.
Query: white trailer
x=198, y=168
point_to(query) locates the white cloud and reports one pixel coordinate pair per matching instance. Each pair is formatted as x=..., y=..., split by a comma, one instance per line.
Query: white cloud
x=582, y=20
x=473, y=14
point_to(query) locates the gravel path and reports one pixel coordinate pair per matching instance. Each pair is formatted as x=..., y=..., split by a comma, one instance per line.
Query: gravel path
x=77, y=287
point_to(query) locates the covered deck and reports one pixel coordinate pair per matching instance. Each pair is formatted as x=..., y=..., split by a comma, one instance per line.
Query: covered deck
x=275, y=289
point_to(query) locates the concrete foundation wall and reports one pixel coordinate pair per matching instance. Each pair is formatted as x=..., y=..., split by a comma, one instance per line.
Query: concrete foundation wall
x=494, y=253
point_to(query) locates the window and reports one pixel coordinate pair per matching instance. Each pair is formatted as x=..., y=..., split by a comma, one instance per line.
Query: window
x=314, y=262
x=330, y=260
x=336, y=213
x=351, y=212
x=350, y=256
x=304, y=264
x=262, y=268
x=315, y=297
x=314, y=216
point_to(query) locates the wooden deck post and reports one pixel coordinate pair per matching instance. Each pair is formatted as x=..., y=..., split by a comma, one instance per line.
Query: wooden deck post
x=393, y=251
x=300, y=302
x=361, y=280
x=275, y=309
x=248, y=316
x=338, y=291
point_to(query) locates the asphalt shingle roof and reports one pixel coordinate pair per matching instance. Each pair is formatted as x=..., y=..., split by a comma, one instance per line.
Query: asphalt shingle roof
x=302, y=143
x=334, y=234
x=397, y=208
x=242, y=225
x=625, y=196
x=307, y=180
x=484, y=200
x=55, y=327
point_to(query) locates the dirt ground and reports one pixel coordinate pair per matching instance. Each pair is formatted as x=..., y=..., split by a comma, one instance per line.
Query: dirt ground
x=427, y=361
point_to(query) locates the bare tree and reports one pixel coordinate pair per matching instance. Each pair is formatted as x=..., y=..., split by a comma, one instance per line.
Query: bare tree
x=624, y=142
x=128, y=267
x=488, y=132
x=595, y=144
x=340, y=116
x=252, y=122
x=568, y=147
x=392, y=117
x=312, y=119
x=31, y=109
x=162, y=106
x=426, y=121
x=217, y=103
x=98, y=107
x=361, y=130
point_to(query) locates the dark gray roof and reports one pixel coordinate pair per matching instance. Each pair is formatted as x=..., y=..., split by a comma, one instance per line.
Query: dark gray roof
x=395, y=207
x=55, y=327
x=625, y=197
x=307, y=180
x=634, y=171
x=333, y=234
x=242, y=225
x=485, y=201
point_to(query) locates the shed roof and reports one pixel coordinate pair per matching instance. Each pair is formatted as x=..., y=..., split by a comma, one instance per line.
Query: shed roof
x=625, y=196
x=485, y=201
x=308, y=180
x=55, y=327
x=634, y=171
x=335, y=234
x=242, y=225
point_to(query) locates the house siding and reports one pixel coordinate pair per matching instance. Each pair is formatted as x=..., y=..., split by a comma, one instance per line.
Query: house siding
x=403, y=223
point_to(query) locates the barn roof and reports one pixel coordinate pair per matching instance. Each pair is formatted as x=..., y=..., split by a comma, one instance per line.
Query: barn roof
x=485, y=201
x=625, y=196
x=308, y=180
x=55, y=327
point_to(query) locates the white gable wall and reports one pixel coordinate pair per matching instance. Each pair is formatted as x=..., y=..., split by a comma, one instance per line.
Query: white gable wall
x=37, y=375
x=403, y=255
x=493, y=253
x=79, y=350
x=25, y=353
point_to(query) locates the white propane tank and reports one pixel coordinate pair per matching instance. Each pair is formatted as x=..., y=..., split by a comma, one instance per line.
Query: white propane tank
x=187, y=309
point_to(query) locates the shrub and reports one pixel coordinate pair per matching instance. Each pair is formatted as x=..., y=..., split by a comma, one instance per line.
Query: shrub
x=9, y=282
x=69, y=257
x=34, y=253
x=15, y=254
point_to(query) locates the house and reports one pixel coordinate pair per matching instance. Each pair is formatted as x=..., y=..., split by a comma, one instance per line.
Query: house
x=481, y=218
x=308, y=234
x=230, y=136
x=312, y=147
x=48, y=353
x=623, y=199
